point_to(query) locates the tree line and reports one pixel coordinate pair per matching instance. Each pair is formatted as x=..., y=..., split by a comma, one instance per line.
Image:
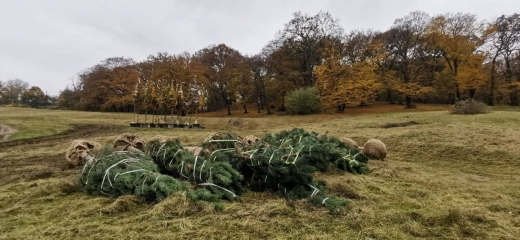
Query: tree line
x=420, y=58
x=17, y=92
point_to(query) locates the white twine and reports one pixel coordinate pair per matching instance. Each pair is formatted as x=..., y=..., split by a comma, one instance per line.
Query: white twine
x=121, y=174
x=200, y=172
x=316, y=190
x=164, y=155
x=215, y=185
x=88, y=174
x=158, y=176
x=210, y=172
x=173, y=158
x=195, y=169
x=142, y=186
x=272, y=155
x=290, y=153
x=323, y=202
x=298, y=154
x=251, y=157
x=137, y=179
x=107, y=172
x=156, y=153
x=222, y=150
x=224, y=140
x=182, y=170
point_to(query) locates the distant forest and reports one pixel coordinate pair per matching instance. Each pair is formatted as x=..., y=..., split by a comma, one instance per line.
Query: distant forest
x=420, y=58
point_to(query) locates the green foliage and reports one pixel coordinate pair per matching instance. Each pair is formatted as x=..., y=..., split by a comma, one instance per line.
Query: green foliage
x=283, y=163
x=217, y=176
x=469, y=106
x=123, y=173
x=303, y=101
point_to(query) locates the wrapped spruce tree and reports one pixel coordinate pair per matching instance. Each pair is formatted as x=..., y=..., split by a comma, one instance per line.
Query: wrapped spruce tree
x=283, y=163
x=219, y=177
x=117, y=173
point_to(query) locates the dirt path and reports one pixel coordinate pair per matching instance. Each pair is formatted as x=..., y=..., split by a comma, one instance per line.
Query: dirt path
x=77, y=131
x=20, y=169
x=6, y=132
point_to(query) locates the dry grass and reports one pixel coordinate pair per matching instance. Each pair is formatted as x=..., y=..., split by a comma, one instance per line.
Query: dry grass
x=449, y=177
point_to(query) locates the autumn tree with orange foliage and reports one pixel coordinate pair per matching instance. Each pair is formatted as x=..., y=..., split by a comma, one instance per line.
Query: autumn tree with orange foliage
x=108, y=85
x=344, y=81
x=169, y=82
x=458, y=38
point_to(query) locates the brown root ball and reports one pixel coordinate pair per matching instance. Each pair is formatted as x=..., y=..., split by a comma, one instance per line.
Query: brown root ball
x=81, y=151
x=196, y=151
x=250, y=140
x=375, y=149
x=129, y=142
x=349, y=142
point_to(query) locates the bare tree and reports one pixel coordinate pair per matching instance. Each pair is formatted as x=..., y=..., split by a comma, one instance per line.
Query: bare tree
x=406, y=45
x=505, y=41
x=13, y=90
x=304, y=36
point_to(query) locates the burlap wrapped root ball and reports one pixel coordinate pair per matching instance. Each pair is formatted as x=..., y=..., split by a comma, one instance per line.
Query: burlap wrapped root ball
x=81, y=151
x=196, y=151
x=250, y=140
x=349, y=142
x=375, y=149
x=129, y=142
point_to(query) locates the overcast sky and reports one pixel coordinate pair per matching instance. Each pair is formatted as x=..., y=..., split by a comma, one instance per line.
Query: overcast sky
x=47, y=42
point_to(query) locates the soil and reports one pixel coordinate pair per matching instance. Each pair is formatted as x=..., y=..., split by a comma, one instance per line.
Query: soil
x=6, y=132
x=14, y=170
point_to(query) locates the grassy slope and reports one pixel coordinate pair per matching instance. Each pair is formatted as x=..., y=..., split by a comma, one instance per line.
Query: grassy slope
x=448, y=177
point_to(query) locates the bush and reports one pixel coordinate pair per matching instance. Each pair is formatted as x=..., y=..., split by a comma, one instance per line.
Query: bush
x=304, y=100
x=469, y=106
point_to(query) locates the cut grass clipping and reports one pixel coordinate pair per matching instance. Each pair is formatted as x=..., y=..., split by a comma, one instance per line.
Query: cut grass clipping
x=282, y=163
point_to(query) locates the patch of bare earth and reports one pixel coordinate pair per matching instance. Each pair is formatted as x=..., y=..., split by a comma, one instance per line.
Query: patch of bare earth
x=17, y=168
x=6, y=132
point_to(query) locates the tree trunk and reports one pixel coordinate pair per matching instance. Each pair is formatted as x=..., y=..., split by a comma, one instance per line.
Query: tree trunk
x=491, y=100
x=408, y=102
x=266, y=105
x=472, y=93
x=245, y=109
x=513, y=96
x=457, y=91
x=389, y=96
x=258, y=105
x=228, y=110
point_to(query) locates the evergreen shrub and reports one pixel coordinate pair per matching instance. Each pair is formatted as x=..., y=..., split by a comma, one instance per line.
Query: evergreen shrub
x=303, y=101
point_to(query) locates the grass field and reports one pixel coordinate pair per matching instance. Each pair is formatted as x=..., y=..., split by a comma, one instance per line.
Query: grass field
x=446, y=177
